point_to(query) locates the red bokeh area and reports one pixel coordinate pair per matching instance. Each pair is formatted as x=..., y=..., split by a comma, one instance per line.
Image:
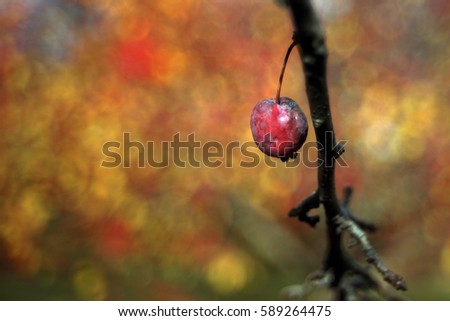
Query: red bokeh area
x=76, y=75
x=135, y=59
x=114, y=239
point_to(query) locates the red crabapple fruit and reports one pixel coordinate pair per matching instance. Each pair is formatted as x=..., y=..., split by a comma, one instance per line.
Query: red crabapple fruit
x=279, y=129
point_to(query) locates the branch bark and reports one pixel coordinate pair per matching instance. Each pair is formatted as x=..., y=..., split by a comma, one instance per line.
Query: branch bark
x=312, y=49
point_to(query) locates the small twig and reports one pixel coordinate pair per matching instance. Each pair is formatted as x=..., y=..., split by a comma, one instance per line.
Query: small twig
x=367, y=226
x=347, y=195
x=302, y=209
x=371, y=255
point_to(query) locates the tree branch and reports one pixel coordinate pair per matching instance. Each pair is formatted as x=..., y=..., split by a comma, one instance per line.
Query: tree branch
x=313, y=54
x=371, y=255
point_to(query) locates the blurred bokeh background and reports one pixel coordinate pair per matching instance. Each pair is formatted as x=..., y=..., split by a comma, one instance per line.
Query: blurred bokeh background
x=76, y=74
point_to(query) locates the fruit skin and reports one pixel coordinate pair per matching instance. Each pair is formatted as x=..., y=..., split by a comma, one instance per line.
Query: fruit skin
x=279, y=130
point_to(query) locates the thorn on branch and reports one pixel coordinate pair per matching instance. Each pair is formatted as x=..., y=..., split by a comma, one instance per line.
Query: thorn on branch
x=344, y=223
x=302, y=209
x=347, y=195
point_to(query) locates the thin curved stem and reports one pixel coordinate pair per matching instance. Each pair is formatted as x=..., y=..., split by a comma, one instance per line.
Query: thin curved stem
x=286, y=58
